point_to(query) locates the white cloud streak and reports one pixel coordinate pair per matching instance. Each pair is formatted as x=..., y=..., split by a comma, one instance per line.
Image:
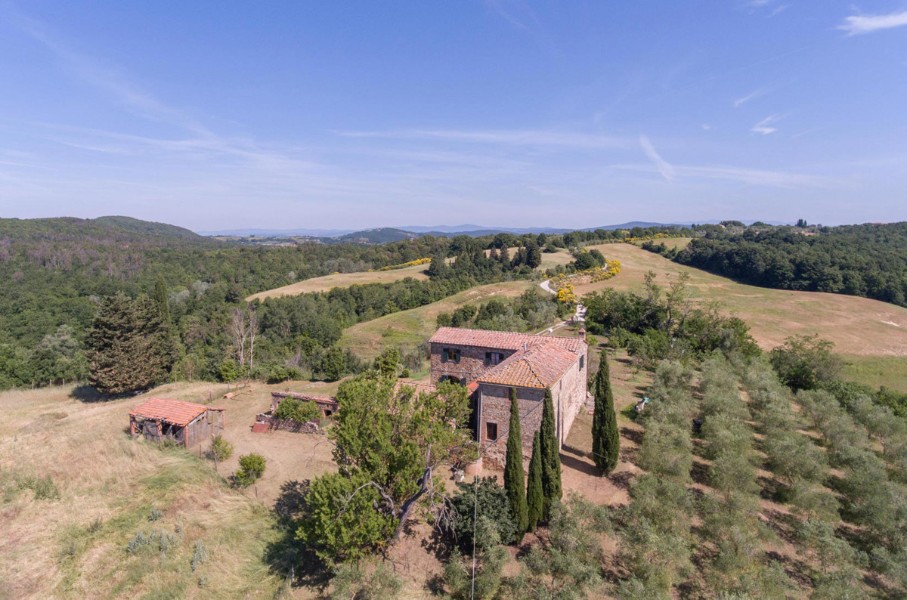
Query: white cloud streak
x=765, y=126
x=506, y=137
x=751, y=96
x=743, y=175
x=860, y=24
x=664, y=167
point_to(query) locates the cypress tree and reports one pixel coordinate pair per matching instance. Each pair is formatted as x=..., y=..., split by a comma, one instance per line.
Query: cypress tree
x=551, y=458
x=605, y=437
x=514, y=476
x=535, y=495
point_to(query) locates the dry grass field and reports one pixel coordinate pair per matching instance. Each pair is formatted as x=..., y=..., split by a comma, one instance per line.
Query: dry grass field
x=859, y=327
x=328, y=282
x=72, y=543
x=413, y=327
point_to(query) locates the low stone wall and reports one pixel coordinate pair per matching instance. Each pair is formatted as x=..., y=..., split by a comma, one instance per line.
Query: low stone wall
x=288, y=424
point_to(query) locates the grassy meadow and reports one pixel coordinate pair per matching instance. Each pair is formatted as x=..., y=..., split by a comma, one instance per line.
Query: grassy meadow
x=328, y=282
x=413, y=327
x=88, y=512
x=857, y=326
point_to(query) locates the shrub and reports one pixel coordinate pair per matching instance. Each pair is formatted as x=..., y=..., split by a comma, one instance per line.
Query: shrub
x=301, y=411
x=806, y=362
x=251, y=468
x=485, y=499
x=199, y=555
x=221, y=449
x=155, y=514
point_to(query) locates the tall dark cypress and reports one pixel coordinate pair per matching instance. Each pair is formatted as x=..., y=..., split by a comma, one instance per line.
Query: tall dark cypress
x=551, y=458
x=605, y=437
x=535, y=494
x=514, y=476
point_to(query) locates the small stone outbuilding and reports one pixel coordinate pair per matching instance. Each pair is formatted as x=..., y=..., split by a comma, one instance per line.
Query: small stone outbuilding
x=184, y=422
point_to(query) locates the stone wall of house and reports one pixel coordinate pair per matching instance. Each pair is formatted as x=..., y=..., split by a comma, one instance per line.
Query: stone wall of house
x=569, y=395
x=494, y=403
x=471, y=366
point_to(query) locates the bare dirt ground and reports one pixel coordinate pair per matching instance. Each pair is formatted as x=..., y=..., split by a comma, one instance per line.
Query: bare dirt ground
x=289, y=456
x=857, y=326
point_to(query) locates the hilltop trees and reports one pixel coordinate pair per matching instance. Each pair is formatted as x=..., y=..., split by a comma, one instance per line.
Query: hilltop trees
x=129, y=348
x=513, y=469
x=605, y=437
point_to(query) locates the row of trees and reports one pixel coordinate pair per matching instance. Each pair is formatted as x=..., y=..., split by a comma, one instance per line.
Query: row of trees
x=874, y=499
x=731, y=519
x=532, y=310
x=801, y=471
x=532, y=503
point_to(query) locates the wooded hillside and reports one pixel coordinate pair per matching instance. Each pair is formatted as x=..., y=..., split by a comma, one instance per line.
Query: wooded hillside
x=860, y=260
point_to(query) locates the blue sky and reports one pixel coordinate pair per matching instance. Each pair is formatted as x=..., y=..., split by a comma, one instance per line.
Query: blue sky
x=217, y=115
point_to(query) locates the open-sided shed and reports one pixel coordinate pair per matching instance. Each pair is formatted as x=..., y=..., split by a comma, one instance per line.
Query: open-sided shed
x=184, y=422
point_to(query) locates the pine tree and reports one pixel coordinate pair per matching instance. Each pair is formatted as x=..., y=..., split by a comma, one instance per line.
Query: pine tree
x=605, y=437
x=127, y=346
x=551, y=458
x=170, y=347
x=535, y=495
x=514, y=476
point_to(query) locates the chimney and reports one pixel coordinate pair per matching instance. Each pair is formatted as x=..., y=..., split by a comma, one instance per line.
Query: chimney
x=582, y=333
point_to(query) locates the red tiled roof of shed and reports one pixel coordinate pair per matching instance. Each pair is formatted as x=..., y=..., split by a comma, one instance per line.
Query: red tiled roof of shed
x=176, y=412
x=505, y=340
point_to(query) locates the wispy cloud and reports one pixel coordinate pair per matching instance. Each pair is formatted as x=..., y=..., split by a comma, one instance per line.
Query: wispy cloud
x=766, y=125
x=771, y=6
x=742, y=175
x=751, y=96
x=516, y=12
x=859, y=24
x=664, y=167
x=106, y=78
x=514, y=137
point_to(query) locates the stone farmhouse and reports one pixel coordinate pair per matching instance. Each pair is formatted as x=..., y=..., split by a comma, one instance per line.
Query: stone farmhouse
x=491, y=363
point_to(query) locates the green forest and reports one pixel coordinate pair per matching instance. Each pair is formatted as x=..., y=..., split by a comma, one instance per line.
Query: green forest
x=60, y=271
x=859, y=260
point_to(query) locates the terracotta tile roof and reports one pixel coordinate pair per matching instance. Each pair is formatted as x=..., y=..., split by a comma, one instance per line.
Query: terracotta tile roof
x=540, y=366
x=505, y=340
x=419, y=386
x=171, y=411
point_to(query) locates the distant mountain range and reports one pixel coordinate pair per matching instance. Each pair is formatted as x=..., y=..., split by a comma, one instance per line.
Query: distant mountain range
x=382, y=235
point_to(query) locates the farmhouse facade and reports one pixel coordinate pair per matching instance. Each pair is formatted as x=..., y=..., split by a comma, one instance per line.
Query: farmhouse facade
x=184, y=422
x=491, y=363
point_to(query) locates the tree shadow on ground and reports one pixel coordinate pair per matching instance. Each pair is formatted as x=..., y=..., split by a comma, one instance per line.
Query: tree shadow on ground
x=576, y=451
x=582, y=466
x=88, y=394
x=634, y=435
x=287, y=556
x=622, y=479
